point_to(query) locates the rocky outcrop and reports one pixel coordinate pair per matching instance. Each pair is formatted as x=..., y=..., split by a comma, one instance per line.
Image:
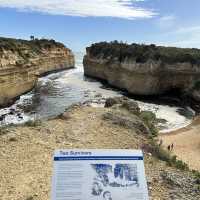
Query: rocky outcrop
x=144, y=69
x=125, y=112
x=21, y=62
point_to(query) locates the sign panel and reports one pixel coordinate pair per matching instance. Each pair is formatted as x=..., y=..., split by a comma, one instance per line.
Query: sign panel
x=99, y=175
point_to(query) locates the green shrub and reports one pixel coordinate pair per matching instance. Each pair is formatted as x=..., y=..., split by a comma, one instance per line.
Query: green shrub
x=148, y=116
x=179, y=164
x=164, y=155
x=149, y=119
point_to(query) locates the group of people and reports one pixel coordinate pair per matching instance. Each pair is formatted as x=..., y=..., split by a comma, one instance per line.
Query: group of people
x=170, y=147
x=97, y=190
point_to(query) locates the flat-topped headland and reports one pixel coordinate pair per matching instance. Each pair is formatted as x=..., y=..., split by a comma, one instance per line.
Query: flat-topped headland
x=146, y=69
x=23, y=61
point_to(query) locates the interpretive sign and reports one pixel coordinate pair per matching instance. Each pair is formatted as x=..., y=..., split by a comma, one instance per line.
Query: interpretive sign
x=99, y=175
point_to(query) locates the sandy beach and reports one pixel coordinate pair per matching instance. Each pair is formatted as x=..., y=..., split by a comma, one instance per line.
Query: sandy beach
x=186, y=143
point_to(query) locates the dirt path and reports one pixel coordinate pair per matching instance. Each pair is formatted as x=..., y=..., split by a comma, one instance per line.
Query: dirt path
x=186, y=144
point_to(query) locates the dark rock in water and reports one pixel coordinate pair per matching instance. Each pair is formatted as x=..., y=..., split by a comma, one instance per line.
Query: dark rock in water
x=128, y=121
x=2, y=117
x=98, y=95
x=19, y=115
x=162, y=121
x=12, y=112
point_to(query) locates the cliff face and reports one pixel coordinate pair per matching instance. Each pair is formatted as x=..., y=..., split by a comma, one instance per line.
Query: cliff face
x=21, y=62
x=149, y=76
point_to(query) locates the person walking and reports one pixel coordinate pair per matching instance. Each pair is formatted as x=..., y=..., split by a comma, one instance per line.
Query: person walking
x=172, y=146
x=160, y=143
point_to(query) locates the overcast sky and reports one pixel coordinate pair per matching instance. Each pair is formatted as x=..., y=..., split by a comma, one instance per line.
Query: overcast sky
x=78, y=23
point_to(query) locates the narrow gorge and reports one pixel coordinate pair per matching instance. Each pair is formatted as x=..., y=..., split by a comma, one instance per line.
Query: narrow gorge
x=22, y=62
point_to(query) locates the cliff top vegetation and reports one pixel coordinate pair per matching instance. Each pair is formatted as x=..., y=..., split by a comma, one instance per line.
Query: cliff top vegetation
x=35, y=45
x=141, y=53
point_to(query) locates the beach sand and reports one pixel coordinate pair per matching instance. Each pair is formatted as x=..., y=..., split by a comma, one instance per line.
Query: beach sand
x=186, y=143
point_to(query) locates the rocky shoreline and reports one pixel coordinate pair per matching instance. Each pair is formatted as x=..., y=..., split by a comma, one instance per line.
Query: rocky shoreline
x=22, y=62
x=27, y=150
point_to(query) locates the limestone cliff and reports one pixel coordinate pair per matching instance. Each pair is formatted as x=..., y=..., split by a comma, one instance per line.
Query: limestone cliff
x=21, y=62
x=145, y=69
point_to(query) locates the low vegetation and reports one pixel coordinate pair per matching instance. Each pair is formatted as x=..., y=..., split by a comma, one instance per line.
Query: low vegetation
x=149, y=119
x=33, y=123
x=159, y=152
x=3, y=130
x=197, y=177
x=35, y=45
x=141, y=53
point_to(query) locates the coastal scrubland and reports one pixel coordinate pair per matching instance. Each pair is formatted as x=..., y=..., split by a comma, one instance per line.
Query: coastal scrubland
x=141, y=53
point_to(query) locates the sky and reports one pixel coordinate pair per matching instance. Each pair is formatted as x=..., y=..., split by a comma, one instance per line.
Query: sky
x=79, y=23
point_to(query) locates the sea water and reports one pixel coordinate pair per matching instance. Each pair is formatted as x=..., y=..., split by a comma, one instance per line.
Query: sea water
x=55, y=92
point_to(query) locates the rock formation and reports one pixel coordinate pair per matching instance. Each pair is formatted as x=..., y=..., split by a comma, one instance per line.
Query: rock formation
x=21, y=62
x=145, y=69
